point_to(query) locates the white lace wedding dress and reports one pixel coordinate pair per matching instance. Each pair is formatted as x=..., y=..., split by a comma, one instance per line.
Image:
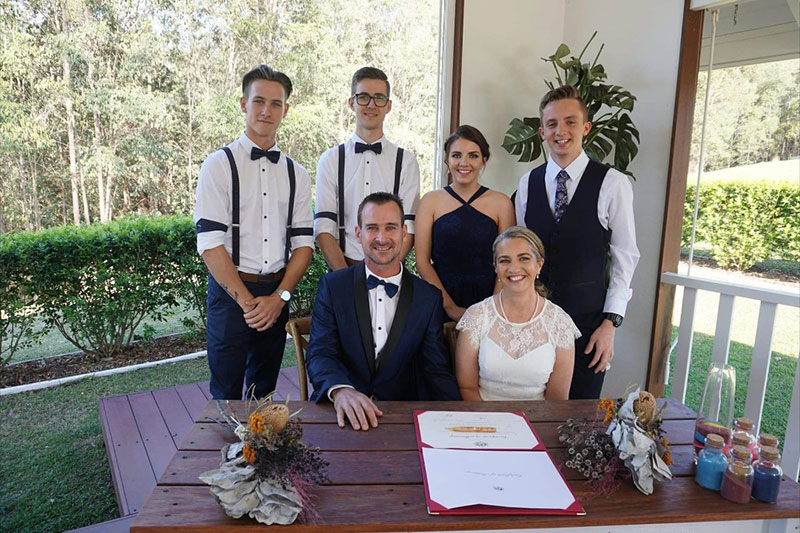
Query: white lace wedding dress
x=515, y=360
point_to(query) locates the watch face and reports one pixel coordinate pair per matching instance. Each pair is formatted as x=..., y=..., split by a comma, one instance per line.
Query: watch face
x=285, y=295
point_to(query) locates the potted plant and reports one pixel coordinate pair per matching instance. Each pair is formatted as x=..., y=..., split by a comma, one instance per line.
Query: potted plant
x=609, y=107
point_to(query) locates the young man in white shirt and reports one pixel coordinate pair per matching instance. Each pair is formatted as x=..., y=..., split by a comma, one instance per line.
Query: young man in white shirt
x=254, y=232
x=366, y=163
x=583, y=212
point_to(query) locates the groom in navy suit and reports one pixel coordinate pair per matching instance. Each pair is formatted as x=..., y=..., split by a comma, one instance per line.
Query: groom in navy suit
x=376, y=329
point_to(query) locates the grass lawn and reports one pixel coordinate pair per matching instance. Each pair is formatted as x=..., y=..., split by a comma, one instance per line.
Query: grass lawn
x=53, y=461
x=53, y=343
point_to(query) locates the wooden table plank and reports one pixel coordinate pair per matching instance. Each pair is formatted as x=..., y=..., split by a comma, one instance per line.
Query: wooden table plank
x=128, y=453
x=213, y=436
x=156, y=436
x=372, y=467
x=402, y=508
x=402, y=412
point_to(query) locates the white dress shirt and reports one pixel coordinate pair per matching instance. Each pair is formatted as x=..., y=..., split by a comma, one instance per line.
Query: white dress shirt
x=381, y=312
x=263, y=207
x=615, y=213
x=364, y=173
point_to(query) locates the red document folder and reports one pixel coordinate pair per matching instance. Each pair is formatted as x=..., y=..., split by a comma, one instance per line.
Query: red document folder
x=435, y=508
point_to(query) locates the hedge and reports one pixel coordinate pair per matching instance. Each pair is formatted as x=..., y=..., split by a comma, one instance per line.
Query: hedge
x=95, y=284
x=746, y=222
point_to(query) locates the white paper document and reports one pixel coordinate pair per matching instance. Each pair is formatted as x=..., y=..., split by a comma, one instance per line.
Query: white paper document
x=471, y=430
x=519, y=479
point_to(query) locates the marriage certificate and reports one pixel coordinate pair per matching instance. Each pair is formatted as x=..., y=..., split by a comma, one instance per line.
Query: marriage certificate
x=488, y=463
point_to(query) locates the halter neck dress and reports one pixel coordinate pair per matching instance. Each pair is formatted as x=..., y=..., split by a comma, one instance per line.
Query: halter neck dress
x=461, y=250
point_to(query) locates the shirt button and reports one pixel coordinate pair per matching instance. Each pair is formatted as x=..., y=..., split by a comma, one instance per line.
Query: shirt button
x=265, y=262
x=367, y=183
x=265, y=216
x=380, y=299
x=379, y=328
x=265, y=194
x=263, y=170
x=265, y=240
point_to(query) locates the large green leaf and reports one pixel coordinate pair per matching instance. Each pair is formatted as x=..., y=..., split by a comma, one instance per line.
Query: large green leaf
x=522, y=139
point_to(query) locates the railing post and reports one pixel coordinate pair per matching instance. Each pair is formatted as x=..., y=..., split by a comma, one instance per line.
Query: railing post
x=683, y=351
x=791, y=441
x=722, y=335
x=759, y=364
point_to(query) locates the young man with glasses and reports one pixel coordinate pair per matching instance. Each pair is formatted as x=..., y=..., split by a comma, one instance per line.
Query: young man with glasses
x=365, y=164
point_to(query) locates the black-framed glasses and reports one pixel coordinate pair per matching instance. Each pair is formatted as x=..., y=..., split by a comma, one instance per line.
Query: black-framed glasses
x=381, y=100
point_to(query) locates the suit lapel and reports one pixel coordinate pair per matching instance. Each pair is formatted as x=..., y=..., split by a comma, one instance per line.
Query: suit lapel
x=400, y=316
x=362, y=314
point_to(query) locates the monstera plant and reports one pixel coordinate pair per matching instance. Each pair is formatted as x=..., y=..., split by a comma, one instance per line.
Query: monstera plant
x=609, y=107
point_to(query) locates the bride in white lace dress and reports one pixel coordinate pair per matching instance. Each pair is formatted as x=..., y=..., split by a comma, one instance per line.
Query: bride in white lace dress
x=516, y=345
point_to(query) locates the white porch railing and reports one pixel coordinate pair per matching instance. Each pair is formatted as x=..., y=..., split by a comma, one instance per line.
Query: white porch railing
x=762, y=348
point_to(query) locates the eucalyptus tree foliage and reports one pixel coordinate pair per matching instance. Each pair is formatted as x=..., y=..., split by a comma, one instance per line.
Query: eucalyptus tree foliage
x=136, y=95
x=609, y=112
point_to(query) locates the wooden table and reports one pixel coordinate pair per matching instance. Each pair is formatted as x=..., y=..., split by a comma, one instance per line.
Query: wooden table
x=376, y=482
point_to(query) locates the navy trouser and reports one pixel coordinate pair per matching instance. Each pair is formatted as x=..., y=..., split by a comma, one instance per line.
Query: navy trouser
x=238, y=353
x=585, y=383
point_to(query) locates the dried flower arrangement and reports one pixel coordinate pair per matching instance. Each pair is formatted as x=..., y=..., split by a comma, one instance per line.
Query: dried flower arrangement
x=269, y=474
x=633, y=443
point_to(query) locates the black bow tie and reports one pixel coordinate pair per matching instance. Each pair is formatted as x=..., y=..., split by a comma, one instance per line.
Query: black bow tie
x=361, y=147
x=258, y=153
x=390, y=288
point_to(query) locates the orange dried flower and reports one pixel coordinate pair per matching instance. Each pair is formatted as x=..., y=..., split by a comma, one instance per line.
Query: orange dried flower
x=608, y=417
x=667, y=458
x=249, y=454
x=256, y=422
x=606, y=403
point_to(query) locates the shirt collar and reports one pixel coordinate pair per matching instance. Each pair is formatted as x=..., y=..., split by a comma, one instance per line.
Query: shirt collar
x=396, y=279
x=574, y=169
x=248, y=144
x=356, y=139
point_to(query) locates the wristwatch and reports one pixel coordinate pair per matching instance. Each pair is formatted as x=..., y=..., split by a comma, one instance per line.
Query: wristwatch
x=615, y=319
x=284, y=294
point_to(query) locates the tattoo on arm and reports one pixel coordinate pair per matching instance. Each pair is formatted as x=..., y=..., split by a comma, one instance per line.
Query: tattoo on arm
x=232, y=294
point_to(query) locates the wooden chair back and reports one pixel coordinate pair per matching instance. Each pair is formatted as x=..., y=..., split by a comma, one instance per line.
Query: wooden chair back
x=451, y=335
x=297, y=328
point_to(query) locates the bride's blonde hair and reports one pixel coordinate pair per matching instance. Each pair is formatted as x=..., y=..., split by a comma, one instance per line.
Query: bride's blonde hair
x=520, y=232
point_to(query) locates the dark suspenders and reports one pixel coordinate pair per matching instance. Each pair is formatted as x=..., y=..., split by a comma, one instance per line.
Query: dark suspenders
x=290, y=168
x=340, y=214
x=235, y=208
x=398, y=168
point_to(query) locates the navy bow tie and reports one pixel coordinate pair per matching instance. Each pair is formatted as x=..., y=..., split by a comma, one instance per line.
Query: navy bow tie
x=390, y=288
x=376, y=147
x=258, y=153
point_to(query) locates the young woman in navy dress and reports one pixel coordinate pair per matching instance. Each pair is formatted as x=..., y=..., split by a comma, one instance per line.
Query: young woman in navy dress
x=456, y=226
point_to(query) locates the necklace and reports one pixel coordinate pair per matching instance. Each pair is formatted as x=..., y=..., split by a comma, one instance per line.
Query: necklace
x=503, y=311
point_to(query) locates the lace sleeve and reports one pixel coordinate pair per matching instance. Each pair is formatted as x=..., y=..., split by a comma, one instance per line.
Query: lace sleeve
x=564, y=331
x=471, y=324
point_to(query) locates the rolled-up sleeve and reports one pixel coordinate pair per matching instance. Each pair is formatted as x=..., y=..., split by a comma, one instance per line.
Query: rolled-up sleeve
x=302, y=217
x=212, y=215
x=326, y=218
x=409, y=189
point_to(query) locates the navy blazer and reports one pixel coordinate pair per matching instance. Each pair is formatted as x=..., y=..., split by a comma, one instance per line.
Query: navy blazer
x=415, y=362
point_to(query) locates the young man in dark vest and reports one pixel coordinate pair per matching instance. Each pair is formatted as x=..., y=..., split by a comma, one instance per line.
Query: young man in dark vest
x=583, y=212
x=367, y=163
x=254, y=232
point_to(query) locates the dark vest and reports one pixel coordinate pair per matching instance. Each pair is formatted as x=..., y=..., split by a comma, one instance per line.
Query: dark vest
x=577, y=247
